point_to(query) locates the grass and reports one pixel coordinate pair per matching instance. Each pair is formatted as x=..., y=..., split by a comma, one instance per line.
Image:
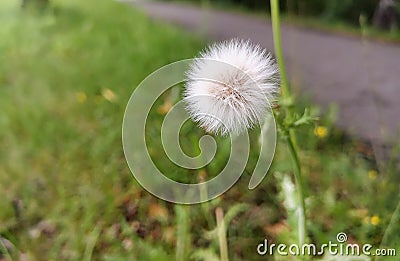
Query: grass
x=66, y=75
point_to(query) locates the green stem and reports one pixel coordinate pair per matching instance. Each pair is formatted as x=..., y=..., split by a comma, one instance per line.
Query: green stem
x=290, y=136
x=275, y=19
x=223, y=243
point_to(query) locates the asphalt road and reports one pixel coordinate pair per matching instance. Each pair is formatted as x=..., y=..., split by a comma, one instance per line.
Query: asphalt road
x=361, y=77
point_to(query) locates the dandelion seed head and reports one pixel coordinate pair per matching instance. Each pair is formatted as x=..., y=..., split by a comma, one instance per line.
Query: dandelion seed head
x=230, y=87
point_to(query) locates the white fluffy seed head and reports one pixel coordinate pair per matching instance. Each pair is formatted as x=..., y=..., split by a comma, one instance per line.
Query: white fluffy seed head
x=230, y=87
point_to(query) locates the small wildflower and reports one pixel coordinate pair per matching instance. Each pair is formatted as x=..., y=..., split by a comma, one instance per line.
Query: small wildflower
x=372, y=174
x=232, y=98
x=81, y=97
x=321, y=132
x=375, y=220
x=109, y=95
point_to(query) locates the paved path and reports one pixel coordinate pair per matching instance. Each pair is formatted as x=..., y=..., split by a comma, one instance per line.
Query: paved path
x=363, y=78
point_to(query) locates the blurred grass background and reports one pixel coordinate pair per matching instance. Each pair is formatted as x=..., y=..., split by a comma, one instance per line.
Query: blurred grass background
x=66, y=74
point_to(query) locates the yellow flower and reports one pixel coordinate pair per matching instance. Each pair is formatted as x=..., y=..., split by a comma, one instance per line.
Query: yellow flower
x=375, y=220
x=321, y=132
x=109, y=95
x=372, y=174
x=81, y=97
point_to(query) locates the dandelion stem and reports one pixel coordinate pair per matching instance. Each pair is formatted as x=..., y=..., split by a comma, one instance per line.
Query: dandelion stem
x=275, y=18
x=290, y=136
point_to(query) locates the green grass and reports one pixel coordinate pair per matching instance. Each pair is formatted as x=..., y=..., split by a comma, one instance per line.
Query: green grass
x=66, y=192
x=61, y=152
